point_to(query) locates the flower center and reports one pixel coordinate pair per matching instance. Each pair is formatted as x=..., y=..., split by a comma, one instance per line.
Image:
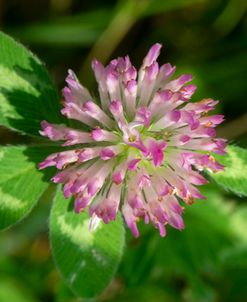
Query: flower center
x=132, y=138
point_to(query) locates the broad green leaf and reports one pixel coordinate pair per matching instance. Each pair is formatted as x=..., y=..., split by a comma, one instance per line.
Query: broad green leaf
x=27, y=95
x=234, y=177
x=86, y=259
x=21, y=184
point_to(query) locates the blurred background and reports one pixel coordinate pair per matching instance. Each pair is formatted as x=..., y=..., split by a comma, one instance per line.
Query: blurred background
x=208, y=261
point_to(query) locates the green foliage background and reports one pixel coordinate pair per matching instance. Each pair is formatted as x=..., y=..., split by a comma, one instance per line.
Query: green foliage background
x=208, y=261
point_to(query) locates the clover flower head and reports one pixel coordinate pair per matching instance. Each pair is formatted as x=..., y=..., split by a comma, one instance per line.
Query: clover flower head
x=141, y=145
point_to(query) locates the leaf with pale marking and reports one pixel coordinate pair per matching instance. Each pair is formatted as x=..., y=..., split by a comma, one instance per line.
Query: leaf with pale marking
x=21, y=184
x=27, y=95
x=86, y=259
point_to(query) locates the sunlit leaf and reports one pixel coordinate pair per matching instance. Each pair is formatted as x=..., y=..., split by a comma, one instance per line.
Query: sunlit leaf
x=27, y=95
x=86, y=259
x=21, y=184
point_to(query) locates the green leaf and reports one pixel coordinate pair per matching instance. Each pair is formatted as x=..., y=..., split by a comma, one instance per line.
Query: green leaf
x=234, y=177
x=27, y=95
x=21, y=184
x=86, y=259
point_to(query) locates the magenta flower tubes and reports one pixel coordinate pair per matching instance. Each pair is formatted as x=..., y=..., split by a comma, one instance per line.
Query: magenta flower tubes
x=145, y=147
